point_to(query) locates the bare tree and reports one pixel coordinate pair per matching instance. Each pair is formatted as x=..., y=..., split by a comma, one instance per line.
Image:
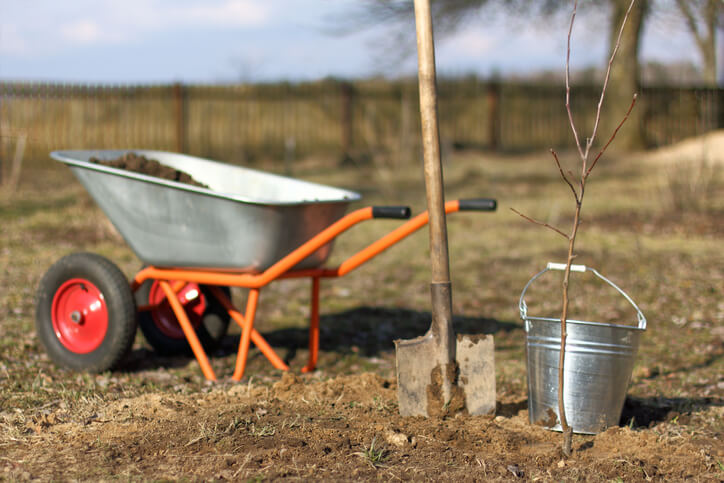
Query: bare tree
x=627, y=78
x=450, y=15
x=703, y=18
x=577, y=186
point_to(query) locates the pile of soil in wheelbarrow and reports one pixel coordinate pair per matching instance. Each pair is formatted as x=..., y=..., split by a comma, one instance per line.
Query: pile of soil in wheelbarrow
x=141, y=164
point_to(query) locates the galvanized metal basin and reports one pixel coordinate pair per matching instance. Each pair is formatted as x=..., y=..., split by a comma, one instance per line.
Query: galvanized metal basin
x=598, y=365
x=246, y=220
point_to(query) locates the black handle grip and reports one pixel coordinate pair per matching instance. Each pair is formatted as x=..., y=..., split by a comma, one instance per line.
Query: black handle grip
x=398, y=212
x=478, y=204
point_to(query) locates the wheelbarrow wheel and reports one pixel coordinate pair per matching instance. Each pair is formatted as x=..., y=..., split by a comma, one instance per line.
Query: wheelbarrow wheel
x=85, y=313
x=160, y=326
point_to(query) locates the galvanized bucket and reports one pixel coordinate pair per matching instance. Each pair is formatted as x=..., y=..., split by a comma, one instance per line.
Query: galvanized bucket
x=597, y=369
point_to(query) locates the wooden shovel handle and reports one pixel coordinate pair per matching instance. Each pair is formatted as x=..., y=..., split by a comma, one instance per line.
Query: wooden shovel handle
x=431, y=143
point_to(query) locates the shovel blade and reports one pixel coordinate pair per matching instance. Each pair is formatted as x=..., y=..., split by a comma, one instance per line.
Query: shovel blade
x=427, y=379
x=476, y=363
x=417, y=361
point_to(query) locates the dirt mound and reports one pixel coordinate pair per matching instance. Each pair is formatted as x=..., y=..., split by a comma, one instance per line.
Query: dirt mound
x=151, y=167
x=361, y=389
x=708, y=148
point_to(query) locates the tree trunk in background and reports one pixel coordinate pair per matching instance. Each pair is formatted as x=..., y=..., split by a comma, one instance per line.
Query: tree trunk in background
x=713, y=11
x=702, y=19
x=625, y=77
x=709, y=54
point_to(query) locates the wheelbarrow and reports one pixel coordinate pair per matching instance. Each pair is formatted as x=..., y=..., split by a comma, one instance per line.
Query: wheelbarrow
x=246, y=228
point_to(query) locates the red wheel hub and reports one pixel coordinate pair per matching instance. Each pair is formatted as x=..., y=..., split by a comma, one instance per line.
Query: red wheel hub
x=192, y=300
x=80, y=316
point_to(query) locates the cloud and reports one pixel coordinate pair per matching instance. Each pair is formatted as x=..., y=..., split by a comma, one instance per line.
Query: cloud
x=81, y=32
x=51, y=25
x=473, y=43
x=234, y=13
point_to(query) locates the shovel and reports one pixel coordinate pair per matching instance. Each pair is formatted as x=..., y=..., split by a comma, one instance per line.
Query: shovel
x=437, y=373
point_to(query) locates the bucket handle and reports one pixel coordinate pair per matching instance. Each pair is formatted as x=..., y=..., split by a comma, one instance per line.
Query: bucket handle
x=578, y=268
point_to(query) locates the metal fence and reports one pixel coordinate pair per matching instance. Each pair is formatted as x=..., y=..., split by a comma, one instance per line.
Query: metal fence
x=240, y=123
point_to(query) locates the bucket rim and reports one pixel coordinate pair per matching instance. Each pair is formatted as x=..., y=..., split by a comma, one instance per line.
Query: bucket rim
x=529, y=318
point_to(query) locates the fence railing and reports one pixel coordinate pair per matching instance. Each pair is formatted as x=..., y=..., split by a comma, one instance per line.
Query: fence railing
x=239, y=123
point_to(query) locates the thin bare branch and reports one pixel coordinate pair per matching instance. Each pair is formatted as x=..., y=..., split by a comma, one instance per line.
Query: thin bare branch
x=605, y=85
x=540, y=223
x=613, y=136
x=563, y=175
x=568, y=80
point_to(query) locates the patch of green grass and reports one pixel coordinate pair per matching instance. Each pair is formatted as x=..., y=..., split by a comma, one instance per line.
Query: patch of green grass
x=374, y=455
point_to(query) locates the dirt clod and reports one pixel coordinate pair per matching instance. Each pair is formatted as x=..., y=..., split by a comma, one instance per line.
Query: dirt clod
x=437, y=407
x=140, y=164
x=396, y=439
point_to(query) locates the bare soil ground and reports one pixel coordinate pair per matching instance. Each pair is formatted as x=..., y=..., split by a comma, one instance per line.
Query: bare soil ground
x=156, y=418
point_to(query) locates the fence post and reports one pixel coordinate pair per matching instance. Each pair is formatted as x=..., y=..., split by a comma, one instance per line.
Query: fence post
x=179, y=100
x=2, y=126
x=493, y=101
x=406, y=113
x=347, y=98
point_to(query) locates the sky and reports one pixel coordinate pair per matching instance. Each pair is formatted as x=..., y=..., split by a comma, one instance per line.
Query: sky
x=225, y=41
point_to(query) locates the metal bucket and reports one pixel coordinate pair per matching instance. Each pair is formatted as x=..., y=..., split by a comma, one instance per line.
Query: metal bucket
x=597, y=369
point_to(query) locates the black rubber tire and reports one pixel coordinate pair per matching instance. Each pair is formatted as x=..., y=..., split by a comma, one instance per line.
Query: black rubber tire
x=210, y=331
x=120, y=312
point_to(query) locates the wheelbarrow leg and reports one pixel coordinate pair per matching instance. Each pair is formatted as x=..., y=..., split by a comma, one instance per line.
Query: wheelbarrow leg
x=313, y=328
x=189, y=331
x=246, y=331
x=256, y=337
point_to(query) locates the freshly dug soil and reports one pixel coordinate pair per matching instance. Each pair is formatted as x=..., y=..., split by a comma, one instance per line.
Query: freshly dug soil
x=141, y=164
x=345, y=428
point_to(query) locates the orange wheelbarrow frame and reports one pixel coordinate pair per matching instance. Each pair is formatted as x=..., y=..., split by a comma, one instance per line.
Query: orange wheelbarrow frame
x=170, y=281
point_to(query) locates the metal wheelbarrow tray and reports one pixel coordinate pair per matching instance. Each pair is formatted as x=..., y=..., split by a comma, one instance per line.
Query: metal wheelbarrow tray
x=246, y=219
x=248, y=229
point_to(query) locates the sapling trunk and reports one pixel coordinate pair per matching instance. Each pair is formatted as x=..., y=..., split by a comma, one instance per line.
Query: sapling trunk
x=567, y=430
